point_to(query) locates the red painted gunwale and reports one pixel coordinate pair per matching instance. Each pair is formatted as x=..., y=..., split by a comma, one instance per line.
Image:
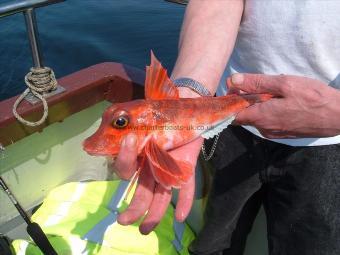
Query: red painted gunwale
x=106, y=81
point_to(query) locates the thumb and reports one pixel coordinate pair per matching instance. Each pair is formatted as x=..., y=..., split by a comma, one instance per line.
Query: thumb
x=259, y=83
x=126, y=162
x=231, y=89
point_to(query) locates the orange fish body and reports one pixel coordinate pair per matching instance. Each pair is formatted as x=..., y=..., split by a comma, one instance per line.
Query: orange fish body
x=163, y=121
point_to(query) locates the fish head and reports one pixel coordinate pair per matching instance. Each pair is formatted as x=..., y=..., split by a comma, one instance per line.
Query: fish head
x=117, y=121
x=146, y=120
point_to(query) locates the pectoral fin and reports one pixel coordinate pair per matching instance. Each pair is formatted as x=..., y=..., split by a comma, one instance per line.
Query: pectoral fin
x=170, y=173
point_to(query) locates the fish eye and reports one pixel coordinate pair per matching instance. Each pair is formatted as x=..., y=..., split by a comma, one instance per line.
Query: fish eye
x=120, y=122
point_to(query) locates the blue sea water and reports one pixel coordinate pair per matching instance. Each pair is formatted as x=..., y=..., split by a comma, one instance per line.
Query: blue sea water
x=79, y=33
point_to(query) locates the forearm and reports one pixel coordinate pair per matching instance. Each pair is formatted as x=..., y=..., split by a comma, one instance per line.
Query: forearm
x=207, y=39
x=331, y=122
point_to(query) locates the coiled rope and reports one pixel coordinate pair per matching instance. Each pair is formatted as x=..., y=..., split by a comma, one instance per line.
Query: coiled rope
x=39, y=81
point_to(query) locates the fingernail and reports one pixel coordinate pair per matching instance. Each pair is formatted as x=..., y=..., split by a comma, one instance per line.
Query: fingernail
x=180, y=218
x=145, y=230
x=237, y=79
x=122, y=220
x=130, y=140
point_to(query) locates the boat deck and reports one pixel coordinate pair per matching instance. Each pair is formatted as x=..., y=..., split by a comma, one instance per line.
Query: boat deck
x=36, y=161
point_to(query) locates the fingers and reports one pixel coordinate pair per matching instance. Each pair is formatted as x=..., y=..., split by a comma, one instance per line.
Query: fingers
x=189, y=153
x=231, y=89
x=126, y=162
x=153, y=198
x=259, y=83
x=249, y=116
x=141, y=200
x=160, y=202
x=185, y=200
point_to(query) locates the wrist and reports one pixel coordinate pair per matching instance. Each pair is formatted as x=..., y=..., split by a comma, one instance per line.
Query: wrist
x=334, y=111
x=187, y=93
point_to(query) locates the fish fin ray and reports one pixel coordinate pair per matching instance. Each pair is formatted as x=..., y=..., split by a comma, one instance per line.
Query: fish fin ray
x=210, y=133
x=167, y=171
x=157, y=83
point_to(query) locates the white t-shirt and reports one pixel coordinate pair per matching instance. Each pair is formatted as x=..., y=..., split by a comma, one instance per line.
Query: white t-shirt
x=293, y=37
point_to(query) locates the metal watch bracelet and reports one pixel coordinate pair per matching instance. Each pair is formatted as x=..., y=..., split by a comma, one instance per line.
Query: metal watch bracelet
x=193, y=85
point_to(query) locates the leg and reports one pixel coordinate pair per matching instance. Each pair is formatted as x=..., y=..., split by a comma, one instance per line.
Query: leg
x=237, y=161
x=244, y=224
x=303, y=200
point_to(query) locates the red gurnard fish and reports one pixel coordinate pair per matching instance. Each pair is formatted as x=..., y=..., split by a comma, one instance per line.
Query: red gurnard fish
x=163, y=121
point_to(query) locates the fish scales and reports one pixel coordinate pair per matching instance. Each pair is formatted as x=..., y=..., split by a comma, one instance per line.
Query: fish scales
x=162, y=122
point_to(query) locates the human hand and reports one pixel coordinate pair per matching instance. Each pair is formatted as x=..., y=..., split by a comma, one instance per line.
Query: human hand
x=303, y=107
x=150, y=197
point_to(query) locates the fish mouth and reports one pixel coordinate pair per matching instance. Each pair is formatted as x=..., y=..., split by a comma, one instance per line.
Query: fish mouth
x=95, y=149
x=96, y=153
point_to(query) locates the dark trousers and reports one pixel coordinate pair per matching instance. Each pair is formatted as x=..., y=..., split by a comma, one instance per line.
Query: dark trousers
x=298, y=186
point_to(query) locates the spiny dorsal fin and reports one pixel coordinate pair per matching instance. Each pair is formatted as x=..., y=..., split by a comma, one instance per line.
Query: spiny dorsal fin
x=157, y=83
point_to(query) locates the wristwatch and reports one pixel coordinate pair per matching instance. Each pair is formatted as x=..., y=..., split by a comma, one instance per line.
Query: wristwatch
x=193, y=85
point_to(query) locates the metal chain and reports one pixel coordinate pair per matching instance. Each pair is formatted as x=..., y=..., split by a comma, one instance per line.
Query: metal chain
x=213, y=148
x=38, y=81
